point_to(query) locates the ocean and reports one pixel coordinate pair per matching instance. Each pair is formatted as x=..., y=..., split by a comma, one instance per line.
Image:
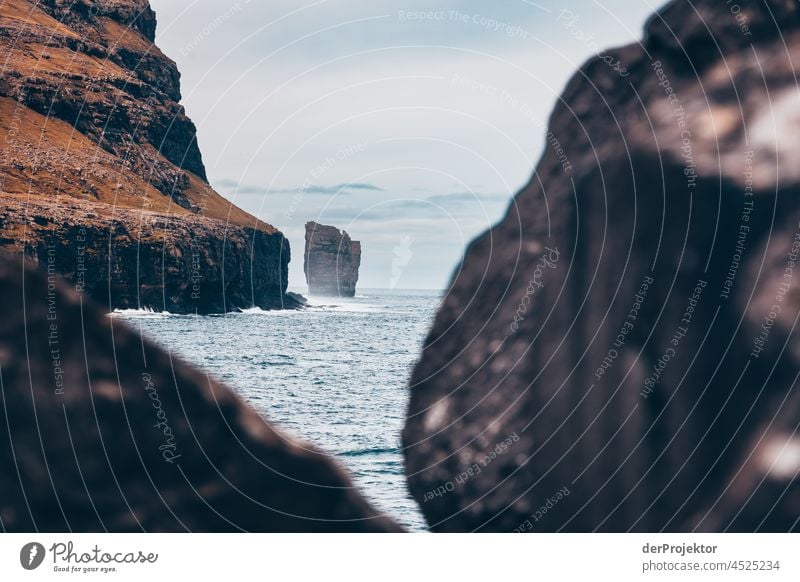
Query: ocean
x=334, y=374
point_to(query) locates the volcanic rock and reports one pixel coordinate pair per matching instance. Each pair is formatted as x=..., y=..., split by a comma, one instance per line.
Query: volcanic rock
x=331, y=261
x=94, y=143
x=618, y=353
x=104, y=431
x=196, y=266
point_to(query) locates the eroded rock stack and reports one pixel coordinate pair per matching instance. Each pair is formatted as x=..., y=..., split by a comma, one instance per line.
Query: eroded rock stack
x=331, y=261
x=98, y=157
x=619, y=353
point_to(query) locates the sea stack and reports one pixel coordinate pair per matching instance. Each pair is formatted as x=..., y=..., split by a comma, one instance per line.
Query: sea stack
x=331, y=261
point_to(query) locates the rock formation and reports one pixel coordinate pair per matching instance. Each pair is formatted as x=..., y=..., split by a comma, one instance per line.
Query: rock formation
x=618, y=352
x=331, y=261
x=104, y=431
x=98, y=157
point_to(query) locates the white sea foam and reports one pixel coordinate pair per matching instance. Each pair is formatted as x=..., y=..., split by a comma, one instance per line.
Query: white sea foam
x=144, y=313
x=259, y=311
x=340, y=304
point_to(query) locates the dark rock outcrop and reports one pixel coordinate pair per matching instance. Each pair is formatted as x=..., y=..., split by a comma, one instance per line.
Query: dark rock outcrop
x=103, y=431
x=93, y=140
x=618, y=353
x=331, y=261
x=195, y=266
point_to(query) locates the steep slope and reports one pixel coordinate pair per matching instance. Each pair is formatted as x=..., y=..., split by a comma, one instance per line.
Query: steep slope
x=94, y=139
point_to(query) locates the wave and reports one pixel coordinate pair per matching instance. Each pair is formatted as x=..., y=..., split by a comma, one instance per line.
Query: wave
x=376, y=451
x=340, y=305
x=143, y=313
x=347, y=308
x=259, y=311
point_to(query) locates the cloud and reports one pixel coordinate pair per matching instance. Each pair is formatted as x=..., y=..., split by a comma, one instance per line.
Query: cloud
x=459, y=197
x=440, y=207
x=228, y=184
x=338, y=188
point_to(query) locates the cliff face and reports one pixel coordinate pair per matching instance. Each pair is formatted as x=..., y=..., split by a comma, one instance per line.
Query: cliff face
x=106, y=432
x=618, y=352
x=205, y=265
x=331, y=261
x=95, y=143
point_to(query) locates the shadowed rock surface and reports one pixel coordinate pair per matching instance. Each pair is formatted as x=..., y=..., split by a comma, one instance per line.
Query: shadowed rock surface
x=105, y=431
x=331, y=261
x=194, y=266
x=91, y=127
x=618, y=353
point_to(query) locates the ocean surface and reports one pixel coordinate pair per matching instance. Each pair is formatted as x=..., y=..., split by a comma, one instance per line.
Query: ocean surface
x=335, y=374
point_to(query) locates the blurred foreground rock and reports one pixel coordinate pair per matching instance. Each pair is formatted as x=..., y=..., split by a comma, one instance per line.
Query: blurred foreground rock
x=105, y=431
x=619, y=352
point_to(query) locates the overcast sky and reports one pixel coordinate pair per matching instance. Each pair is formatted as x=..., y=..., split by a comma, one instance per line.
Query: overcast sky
x=409, y=124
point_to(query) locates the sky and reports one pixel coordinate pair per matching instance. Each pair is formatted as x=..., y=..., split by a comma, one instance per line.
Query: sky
x=409, y=124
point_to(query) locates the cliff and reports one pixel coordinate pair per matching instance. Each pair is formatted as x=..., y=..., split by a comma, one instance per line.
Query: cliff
x=98, y=158
x=618, y=353
x=331, y=261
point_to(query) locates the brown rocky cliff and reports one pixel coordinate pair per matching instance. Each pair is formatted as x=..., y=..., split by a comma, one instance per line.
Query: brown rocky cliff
x=331, y=261
x=92, y=130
